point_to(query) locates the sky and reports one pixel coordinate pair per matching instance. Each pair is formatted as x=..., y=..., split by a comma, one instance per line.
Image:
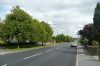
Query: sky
x=65, y=16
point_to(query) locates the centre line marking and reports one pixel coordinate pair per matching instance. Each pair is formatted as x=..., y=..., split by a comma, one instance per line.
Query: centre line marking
x=50, y=50
x=4, y=65
x=33, y=56
x=58, y=48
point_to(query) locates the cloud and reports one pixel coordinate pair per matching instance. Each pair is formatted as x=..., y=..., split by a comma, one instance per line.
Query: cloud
x=65, y=16
x=4, y=10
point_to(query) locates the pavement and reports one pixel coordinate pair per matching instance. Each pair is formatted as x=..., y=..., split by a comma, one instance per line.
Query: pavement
x=60, y=55
x=86, y=60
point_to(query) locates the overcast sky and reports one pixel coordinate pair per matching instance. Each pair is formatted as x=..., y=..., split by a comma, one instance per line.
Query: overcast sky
x=65, y=16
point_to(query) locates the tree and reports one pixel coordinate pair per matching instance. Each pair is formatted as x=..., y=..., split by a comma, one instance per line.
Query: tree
x=18, y=25
x=96, y=20
x=68, y=38
x=1, y=31
x=83, y=41
x=60, y=38
x=45, y=32
x=53, y=39
x=87, y=32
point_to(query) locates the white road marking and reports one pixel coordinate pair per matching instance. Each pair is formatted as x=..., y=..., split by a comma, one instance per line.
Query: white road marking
x=77, y=57
x=33, y=56
x=41, y=53
x=54, y=49
x=50, y=50
x=4, y=65
x=58, y=47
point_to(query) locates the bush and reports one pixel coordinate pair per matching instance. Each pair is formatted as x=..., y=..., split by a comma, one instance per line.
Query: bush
x=2, y=41
x=95, y=44
x=84, y=41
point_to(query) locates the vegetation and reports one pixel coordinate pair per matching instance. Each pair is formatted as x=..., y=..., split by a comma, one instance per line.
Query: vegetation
x=1, y=26
x=91, y=32
x=68, y=38
x=87, y=33
x=60, y=38
x=95, y=44
x=20, y=28
x=84, y=41
x=97, y=23
x=63, y=38
x=46, y=32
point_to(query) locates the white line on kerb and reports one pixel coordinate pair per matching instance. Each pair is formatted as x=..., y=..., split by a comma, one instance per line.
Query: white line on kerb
x=77, y=57
x=4, y=65
x=33, y=56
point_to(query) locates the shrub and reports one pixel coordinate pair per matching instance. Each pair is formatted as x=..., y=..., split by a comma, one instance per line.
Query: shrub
x=84, y=41
x=2, y=41
x=95, y=44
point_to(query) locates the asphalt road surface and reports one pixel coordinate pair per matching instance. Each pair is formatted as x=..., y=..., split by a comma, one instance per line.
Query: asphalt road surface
x=60, y=55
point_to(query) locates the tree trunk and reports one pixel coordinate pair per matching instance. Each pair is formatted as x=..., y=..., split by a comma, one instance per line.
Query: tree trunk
x=42, y=43
x=18, y=44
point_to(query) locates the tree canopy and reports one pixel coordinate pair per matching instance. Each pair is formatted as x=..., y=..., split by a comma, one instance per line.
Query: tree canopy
x=87, y=31
x=63, y=38
x=96, y=20
x=20, y=27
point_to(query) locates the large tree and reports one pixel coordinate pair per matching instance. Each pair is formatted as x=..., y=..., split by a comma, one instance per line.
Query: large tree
x=97, y=22
x=19, y=25
x=45, y=32
x=87, y=31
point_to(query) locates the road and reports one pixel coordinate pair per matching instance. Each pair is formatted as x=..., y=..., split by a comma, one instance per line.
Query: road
x=60, y=55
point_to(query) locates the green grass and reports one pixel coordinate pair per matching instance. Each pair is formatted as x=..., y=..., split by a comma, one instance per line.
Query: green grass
x=12, y=49
x=22, y=49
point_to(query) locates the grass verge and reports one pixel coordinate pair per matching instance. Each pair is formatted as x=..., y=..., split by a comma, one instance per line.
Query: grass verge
x=28, y=48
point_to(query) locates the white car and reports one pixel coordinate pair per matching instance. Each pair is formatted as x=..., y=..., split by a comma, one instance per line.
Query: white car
x=73, y=45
